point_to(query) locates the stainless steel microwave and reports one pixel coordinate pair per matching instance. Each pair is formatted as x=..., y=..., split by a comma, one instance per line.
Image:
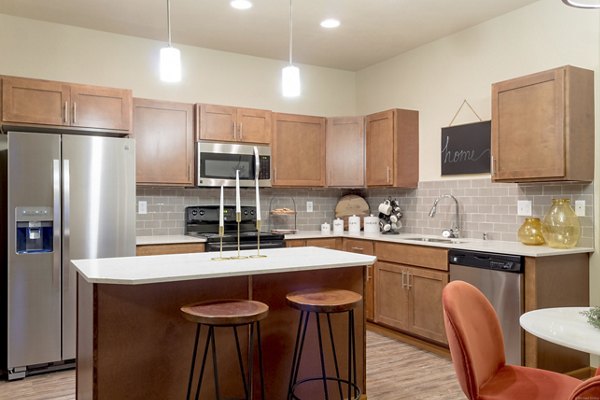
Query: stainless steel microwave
x=217, y=163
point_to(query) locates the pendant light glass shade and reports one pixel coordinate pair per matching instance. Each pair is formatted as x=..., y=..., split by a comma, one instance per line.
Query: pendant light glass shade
x=170, y=57
x=170, y=64
x=583, y=3
x=290, y=81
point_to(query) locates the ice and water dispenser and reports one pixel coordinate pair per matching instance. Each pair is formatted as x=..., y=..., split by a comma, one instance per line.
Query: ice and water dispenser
x=35, y=227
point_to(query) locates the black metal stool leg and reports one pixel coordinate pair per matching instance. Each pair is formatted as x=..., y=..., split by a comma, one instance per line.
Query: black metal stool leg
x=251, y=360
x=335, y=360
x=352, y=353
x=240, y=361
x=199, y=386
x=214, y=359
x=260, y=362
x=322, y=356
x=302, y=324
x=194, y=353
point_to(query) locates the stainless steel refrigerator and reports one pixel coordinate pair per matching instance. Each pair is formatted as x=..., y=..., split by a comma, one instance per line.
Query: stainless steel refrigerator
x=65, y=197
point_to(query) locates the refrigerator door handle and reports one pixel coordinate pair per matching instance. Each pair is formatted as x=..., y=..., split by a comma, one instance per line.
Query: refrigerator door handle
x=66, y=221
x=56, y=223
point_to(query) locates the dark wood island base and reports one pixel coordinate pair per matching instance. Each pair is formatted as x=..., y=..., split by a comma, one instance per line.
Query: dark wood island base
x=133, y=343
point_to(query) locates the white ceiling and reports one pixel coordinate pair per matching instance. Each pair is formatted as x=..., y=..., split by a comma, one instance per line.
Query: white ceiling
x=371, y=30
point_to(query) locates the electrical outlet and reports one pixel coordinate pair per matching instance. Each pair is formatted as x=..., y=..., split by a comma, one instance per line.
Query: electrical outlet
x=580, y=208
x=142, y=207
x=524, y=208
x=309, y=206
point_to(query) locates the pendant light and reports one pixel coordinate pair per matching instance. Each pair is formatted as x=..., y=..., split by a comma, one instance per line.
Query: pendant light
x=170, y=57
x=290, y=75
x=583, y=3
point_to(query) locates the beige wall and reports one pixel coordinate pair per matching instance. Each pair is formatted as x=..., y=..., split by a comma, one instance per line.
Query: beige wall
x=59, y=52
x=437, y=77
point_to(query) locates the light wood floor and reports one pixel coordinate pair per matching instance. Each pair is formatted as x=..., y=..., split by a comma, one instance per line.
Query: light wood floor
x=395, y=371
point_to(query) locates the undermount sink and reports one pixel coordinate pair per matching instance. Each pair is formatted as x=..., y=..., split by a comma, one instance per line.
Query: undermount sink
x=434, y=240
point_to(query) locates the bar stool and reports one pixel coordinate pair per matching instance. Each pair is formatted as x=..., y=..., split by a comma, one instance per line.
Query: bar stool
x=222, y=314
x=325, y=301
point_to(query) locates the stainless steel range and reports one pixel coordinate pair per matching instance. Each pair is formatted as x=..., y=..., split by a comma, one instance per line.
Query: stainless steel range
x=203, y=221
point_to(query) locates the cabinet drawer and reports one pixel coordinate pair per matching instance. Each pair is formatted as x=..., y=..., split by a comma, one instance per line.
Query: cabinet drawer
x=359, y=246
x=422, y=256
x=177, y=248
x=328, y=243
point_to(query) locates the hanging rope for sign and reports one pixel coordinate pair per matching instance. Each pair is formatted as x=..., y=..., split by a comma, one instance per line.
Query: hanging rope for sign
x=460, y=108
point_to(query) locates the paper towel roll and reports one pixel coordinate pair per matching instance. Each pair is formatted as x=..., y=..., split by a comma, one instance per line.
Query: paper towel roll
x=354, y=224
x=371, y=224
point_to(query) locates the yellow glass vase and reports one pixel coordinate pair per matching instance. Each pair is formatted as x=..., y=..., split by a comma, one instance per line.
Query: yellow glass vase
x=530, y=233
x=561, y=228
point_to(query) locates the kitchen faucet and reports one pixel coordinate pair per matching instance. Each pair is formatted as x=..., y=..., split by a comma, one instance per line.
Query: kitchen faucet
x=454, y=231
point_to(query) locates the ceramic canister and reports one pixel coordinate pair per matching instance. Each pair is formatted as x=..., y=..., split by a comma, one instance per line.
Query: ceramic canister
x=354, y=224
x=338, y=226
x=325, y=228
x=371, y=224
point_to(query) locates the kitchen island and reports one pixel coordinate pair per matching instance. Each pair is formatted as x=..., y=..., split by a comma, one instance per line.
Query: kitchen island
x=133, y=342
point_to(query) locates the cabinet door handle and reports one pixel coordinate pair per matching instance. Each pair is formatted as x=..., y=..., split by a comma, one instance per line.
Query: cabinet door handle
x=234, y=129
x=74, y=112
x=241, y=130
x=493, y=166
x=357, y=249
x=66, y=112
x=403, y=282
x=408, y=276
x=387, y=174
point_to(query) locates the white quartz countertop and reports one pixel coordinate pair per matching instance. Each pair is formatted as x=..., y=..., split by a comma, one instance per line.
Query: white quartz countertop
x=178, y=267
x=167, y=239
x=490, y=246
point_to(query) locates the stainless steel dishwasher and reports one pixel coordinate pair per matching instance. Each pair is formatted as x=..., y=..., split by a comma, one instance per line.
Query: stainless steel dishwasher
x=500, y=278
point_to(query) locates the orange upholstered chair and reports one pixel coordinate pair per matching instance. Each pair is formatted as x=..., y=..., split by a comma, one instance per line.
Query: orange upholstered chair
x=477, y=349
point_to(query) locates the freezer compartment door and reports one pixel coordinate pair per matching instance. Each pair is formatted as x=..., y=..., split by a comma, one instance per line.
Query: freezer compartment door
x=98, y=210
x=34, y=286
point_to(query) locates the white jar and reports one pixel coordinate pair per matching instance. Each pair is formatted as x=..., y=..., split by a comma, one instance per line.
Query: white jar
x=338, y=226
x=325, y=228
x=371, y=224
x=354, y=224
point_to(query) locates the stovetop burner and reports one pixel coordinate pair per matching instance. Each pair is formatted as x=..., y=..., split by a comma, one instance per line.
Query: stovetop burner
x=203, y=221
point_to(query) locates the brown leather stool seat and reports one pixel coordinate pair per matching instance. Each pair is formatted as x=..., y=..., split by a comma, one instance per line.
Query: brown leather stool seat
x=222, y=314
x=318, y=302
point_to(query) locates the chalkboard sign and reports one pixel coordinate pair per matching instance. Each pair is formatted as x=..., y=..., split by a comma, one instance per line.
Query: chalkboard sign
x=466, y=148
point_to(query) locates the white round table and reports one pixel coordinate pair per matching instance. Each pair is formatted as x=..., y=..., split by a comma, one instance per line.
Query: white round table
x=565, y=326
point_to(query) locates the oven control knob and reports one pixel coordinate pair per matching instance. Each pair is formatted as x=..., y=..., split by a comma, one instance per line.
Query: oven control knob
x=194, y=212
x=201, y=213
x=251, y=212
x=245, y=212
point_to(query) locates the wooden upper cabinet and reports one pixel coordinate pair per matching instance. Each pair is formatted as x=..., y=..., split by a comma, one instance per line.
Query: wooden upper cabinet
x=100, y=107
x=164, y=137
x=31, y=101
x=35, y=101
x=231, y=124
x=543, y=127
x=298, y=150
x=345, y=152
x=392, y=148
x=254, y=126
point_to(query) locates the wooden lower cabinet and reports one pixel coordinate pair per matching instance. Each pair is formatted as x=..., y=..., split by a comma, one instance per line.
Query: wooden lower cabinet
x=175, y=248
x=409, y=297
x=365, y=247
x=327, y=243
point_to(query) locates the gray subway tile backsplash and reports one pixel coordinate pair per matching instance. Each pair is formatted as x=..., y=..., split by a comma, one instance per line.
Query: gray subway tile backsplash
x=485, y=207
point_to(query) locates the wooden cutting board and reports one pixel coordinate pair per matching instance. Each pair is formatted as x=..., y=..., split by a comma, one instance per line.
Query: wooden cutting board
x=350, y=205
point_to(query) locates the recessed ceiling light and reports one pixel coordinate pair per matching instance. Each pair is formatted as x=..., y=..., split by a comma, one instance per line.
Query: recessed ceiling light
x=330, y=23
x=241, y=4
x=583, y=3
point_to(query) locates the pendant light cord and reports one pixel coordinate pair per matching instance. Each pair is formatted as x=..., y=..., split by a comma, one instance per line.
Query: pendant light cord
x=290, y=32
x=169, y=20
